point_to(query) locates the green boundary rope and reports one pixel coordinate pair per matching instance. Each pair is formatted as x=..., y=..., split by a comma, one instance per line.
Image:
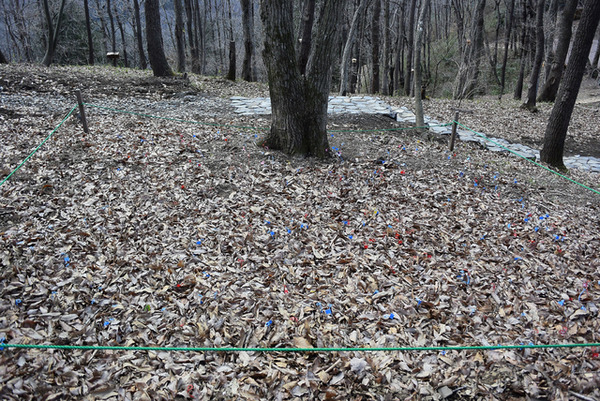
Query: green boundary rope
x=298, y=350
x=529, y=160
x=39, y=146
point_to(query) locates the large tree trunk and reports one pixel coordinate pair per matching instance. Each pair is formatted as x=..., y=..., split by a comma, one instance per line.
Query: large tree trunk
x=558, y=123
x=418, y=71
x=113, y=31
x=248, y=28
x=410, y=45
x=510, y=16
x=190, y=31
x=305, y=39
x=140, y=43
x=539, y=58
x=156, y=54
x=299, y=103
x=88, y=28
x=468, y=72
x=52, y=32
x=345, y=65
x=565, y=27
x=179, y=36
x=375, y=46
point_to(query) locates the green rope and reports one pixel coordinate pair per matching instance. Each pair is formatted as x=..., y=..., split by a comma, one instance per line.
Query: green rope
x=39, y=146
x=298, y=350
x=529, y=160
x=177, y=119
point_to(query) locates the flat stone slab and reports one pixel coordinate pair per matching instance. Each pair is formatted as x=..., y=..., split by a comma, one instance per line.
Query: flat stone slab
x=373, y=105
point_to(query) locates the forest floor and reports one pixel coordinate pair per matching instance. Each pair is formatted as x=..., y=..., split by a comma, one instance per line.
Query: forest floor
x=164, y=233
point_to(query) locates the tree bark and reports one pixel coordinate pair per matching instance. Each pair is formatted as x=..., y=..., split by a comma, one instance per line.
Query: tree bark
x=156, y=54
x=53, y=31
x=179, y=36
x=299, y=103
x=510, y=18
x=558, y=123
x=113, y=31
x=418, y=71
x=345, y=65
x=375, y=45
x=88, y=28
x=539, y=58
x=139, y=40
x=248, y=29
x=410, y=45
x=565, y=27
x=305, y=40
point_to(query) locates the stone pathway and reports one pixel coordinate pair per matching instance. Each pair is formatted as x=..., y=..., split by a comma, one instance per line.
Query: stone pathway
x=373, y=105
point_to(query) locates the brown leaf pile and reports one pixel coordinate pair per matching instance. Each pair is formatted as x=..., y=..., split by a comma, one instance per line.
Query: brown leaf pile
x=155, y=233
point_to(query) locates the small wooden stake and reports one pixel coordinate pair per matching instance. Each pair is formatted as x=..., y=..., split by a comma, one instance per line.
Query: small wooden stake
x=454, y=126
x=82, y=111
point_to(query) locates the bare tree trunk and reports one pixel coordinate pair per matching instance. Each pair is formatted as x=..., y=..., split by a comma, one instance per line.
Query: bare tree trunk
x=468, y=72
x=410, y=45
x=558, y=123
x=386, y=49
x=565, y=27
x=375, y=45
x=299, y=103
x=510, y=17
x=140, y=43
x=551, y=27
x=88, y=28
x=179, y=36
x=190, y=32
x=418, y=71
x=3, y=59
x=113, y=31
x=305, y=40
x=248, y=28
x=232, y=56
x=123, y=40
x=345, y=65
x=539, y=58
x=524, y=44
x=156, y=53
x=53, y=30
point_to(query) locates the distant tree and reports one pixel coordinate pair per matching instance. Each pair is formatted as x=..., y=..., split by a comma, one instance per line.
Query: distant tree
x=299, y=102
x=52, y=31
x=179, y=38
x=468, y=71
x=418, y=70
x=525, y=39
x=138, y=36
x=3, y=59
x=539, y=58
x=410, y=46
x=88, y=28
x=558, y=123
x=345, y=64
x=510, y=13
x=156, y=53
x=248, y=28
x=565, y=27
x=113, y=31
x=375, y=45
x=385, y=84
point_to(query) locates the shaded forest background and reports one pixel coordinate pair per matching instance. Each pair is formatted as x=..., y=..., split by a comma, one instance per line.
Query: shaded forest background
x=495, y=40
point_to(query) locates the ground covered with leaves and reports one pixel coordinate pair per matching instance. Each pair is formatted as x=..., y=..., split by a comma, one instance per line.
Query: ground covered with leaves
x=153, y=232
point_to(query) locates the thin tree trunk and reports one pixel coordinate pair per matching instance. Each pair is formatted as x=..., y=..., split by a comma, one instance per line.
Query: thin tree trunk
x=539, y=58
x=510, y=18
x=3, y=59
x=156, y=53
x=232, y=56
x=565, y=27
x=248, y=29
x=375, y=45
x=123, y=41
x=88, y=28
x=386, y=49
x=558, y=123
x=113, y=31
x=179, y=36
x=345, y=65
x=190, y=32
x=410, y=45
x=524, y=43
x=551, y=27
x=53, y=31
x=418, y=71
x=139, y=40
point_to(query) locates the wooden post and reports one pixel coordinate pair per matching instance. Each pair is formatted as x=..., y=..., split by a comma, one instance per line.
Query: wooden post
x=82, y=111
x=454, y=126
